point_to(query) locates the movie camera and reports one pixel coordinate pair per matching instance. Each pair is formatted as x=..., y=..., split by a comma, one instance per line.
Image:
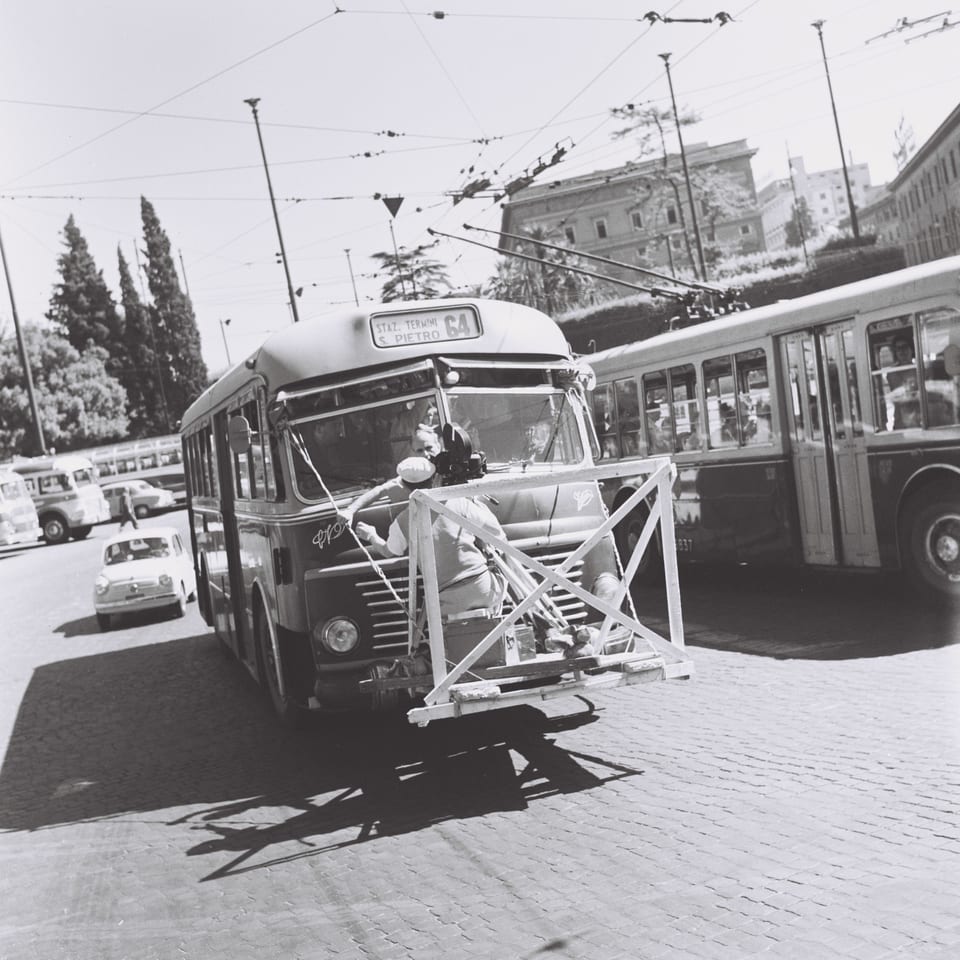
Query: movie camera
x=457, y=462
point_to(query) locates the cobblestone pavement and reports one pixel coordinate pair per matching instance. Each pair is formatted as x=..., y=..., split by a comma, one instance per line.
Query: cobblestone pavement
x=796, y=799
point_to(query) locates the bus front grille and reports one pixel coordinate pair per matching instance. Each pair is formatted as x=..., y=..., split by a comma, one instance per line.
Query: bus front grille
x=390, y=621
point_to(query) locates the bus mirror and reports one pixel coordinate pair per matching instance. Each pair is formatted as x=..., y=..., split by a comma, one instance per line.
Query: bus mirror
x=239, y=434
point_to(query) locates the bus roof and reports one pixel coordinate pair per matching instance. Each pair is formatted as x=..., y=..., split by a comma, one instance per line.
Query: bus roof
x=65, y=461
x=353, y=340
x=925, y=280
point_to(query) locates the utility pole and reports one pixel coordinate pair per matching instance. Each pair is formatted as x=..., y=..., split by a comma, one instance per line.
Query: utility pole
x=796, y=207
x=183, y=270
x=356, y=299
x=396, y=254
x=686, y=173
x=24, y=359
x=818, y=26
x=253, y=101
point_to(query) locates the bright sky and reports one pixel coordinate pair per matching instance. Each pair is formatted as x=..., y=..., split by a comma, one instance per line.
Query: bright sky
x=102, y=102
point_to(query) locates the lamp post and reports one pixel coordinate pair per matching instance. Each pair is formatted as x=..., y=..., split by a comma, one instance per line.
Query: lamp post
x=223, y=325
x=818, y=26
x=253, y=101
x=24, y=359
x=796, y=206
x=665, y=57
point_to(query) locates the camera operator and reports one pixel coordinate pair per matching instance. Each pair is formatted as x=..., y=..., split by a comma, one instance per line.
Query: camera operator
x=465, y=580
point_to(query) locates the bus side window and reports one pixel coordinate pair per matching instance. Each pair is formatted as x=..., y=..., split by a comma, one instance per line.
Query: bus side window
x=686, y=410
x=754, y=397
x=893, y=374
x=656, y=411
x=721, y=403
x=628, y=416
x=605, y=420
x=940, y=337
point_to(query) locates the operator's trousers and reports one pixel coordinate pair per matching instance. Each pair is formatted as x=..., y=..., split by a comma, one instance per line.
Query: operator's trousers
x=484, y=591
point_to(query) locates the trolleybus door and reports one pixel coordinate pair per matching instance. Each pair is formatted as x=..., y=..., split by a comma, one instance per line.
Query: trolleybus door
x=858, y=535
x=808, y=448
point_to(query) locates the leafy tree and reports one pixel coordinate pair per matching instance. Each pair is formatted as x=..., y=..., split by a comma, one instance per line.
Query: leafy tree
x=183, y=371
x=80, y=404
x=146, y=404
x=411, y=275
x=800, y=225
x=82, y=308
x=721, y=195
x=547, y=284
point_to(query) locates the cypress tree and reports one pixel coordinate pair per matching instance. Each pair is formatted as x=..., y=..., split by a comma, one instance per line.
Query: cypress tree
x=177, y=338
x=146, y=406
x=82, y=307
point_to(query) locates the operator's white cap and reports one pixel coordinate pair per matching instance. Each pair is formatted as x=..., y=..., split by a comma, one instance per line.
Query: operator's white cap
x=415, y=470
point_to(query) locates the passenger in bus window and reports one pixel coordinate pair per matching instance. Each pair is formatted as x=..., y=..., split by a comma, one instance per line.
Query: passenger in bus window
x=728, y=424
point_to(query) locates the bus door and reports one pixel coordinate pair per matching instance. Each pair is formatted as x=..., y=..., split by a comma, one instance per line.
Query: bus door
x=858, y=534
x=828, y=449
x=231, y=579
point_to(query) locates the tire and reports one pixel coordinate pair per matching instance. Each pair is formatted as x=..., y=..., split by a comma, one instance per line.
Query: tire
x=103, y=622
x=80, y=533
x=286, y=711
x=180, y=607
x=55, y=529
x=626, y=535
x=140, y=511
x=930, y=542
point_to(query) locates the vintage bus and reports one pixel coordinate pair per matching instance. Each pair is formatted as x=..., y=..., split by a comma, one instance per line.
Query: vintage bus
x=18, y=515
x=65, y=491
x=284, y=585
x=158, y=460
x=822, y=431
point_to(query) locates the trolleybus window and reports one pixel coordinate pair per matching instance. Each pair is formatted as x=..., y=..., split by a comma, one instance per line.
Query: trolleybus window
x=940, y=336
x=893, y=370
x=628, y=417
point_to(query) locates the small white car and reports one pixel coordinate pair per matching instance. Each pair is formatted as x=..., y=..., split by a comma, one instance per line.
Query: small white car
x=146, y=498
x=144, y=569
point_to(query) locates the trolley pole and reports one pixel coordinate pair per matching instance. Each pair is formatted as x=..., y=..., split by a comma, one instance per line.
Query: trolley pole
x=24, y=359
x=356, y=299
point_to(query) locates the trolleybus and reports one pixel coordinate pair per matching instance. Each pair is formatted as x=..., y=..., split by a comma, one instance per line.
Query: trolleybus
x=285, y=586
x=822, y=431
x=158, y=460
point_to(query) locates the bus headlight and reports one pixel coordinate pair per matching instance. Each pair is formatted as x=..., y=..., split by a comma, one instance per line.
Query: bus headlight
x=101, y=585
x=338, y=635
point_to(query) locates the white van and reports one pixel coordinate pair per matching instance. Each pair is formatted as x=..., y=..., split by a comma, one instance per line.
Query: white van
x=66, y=494
x=18, y=515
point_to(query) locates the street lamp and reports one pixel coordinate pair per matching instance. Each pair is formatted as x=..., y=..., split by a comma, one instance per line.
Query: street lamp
x=818, y=26
x=665, y=57
x=223, y=325
x=253, y=101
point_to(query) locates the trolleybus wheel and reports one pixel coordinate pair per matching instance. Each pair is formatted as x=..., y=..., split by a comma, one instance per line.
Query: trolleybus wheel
x=80, y=533
x=287, y=712
x=55, y=529
x=931, y=541
x=627, y=535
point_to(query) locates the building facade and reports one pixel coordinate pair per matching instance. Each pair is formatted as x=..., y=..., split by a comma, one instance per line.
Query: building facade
x=927, y=195
x=825, y=193
x=636, y=213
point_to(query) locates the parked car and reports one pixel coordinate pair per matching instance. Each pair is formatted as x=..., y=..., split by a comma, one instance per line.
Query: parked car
x=144, y=569
x=146, y=498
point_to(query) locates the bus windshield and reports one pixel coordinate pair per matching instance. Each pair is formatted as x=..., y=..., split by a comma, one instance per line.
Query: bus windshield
x=362, y=447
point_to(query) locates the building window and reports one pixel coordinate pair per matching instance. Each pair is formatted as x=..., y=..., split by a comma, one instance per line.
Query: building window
x=636, y=220
x=675, y=241
x=671, y=214
x=745, y=230
x=953, y=164
x=601, y=228
x=641, y=251
x=823, y=196
x=570, y=235
x=825, y=209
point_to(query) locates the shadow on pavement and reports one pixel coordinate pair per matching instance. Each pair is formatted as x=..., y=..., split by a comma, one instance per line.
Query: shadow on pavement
x=87, y=626
x=176, y=725
x=803, y=614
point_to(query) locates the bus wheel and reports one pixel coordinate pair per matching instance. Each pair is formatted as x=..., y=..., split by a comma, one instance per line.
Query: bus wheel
x=931, y=542
x=287, y=712
x=627, y=536
x=80, y=533
x=55, y=530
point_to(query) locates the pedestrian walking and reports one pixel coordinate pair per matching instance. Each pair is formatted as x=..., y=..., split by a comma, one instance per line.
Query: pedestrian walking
x=126, y=510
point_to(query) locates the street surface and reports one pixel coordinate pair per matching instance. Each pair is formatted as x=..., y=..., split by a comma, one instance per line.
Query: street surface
x=797, y=798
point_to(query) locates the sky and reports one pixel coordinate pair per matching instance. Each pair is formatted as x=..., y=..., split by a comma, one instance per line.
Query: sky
x=102, y=102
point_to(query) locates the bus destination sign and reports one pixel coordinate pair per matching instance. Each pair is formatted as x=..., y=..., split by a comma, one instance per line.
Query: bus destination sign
x=425, y=326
